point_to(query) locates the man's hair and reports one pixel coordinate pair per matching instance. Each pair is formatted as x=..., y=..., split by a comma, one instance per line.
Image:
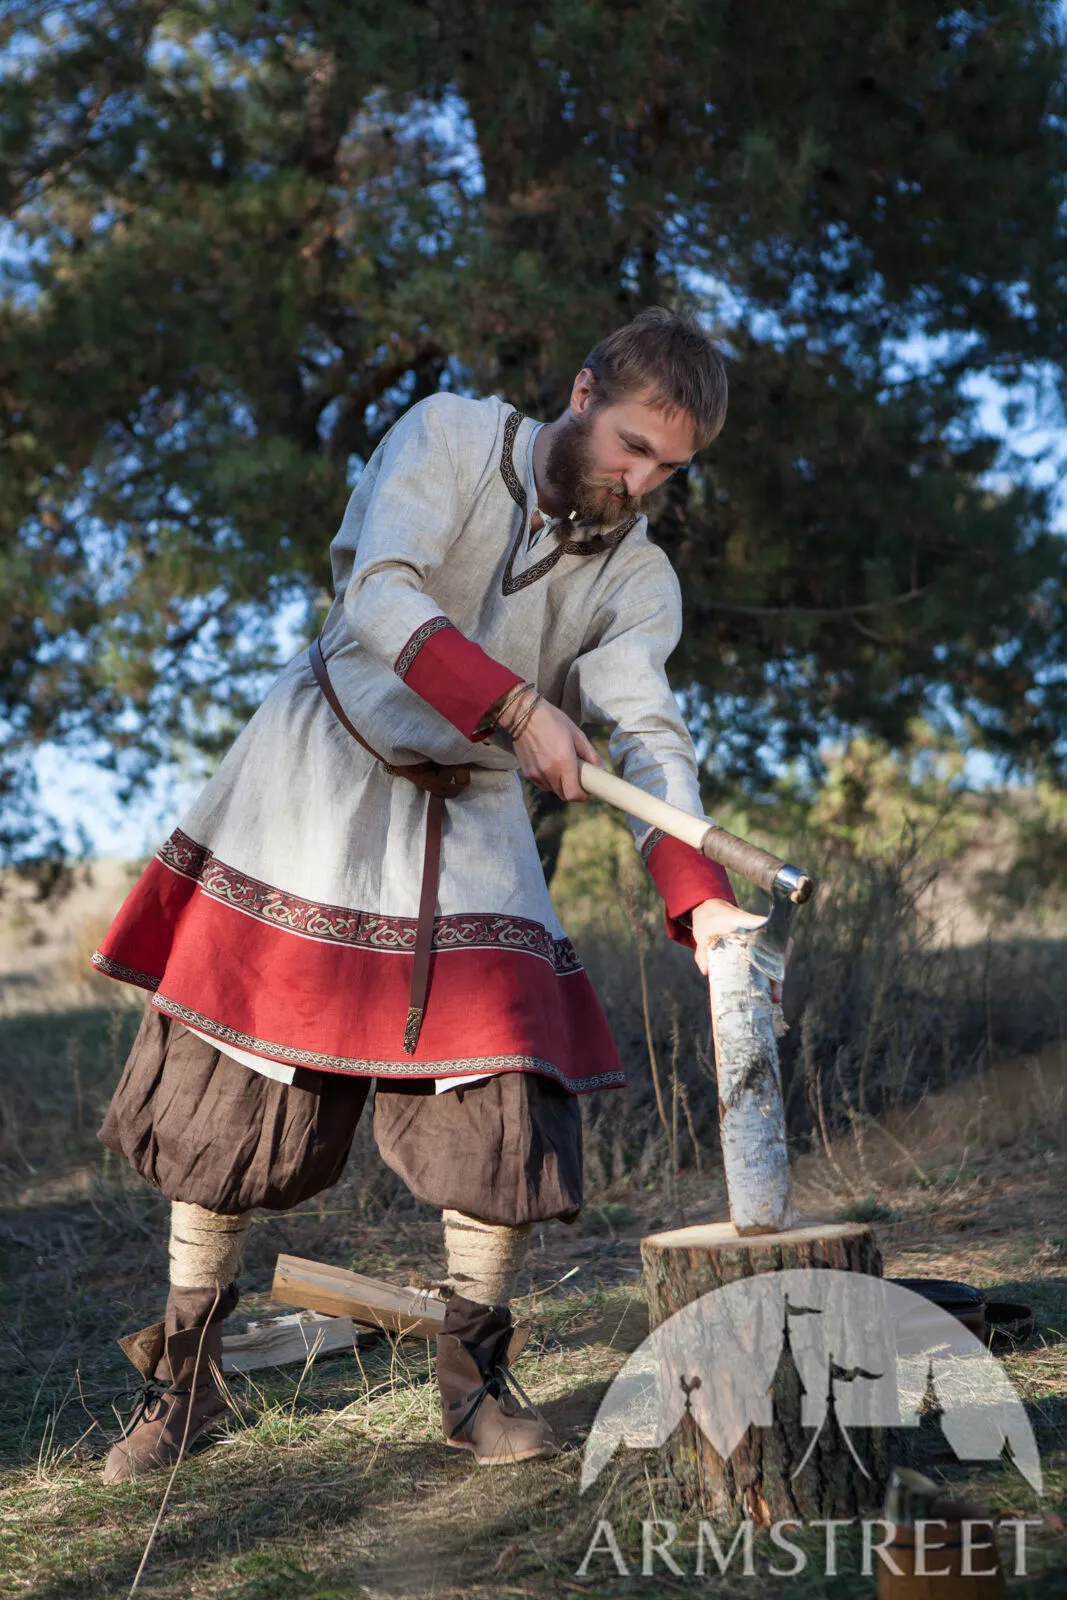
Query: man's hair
x=672, y=355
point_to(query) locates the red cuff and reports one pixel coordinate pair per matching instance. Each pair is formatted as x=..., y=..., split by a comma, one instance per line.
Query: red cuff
x=685, y=879
x=454, y=675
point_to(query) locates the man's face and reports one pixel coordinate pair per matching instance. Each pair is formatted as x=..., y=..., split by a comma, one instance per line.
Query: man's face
x=606, y=459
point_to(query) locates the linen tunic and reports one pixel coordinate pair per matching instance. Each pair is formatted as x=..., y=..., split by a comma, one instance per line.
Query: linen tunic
x=279, y=918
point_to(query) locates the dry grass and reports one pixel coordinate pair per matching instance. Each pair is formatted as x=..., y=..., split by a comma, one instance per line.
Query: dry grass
x=335, y=1482
x=881, y=1016
x=1018, y=1105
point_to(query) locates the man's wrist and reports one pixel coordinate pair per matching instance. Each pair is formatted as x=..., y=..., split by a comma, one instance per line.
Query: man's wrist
x=500, y=708
x=518, y=710
x=686, y=917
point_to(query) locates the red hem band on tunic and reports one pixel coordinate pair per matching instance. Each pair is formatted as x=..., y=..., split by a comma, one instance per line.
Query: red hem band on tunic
x=327, y=987
x=685, y=879
x=454, y=675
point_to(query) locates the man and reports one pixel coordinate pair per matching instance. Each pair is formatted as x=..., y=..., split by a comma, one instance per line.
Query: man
x=357, y=895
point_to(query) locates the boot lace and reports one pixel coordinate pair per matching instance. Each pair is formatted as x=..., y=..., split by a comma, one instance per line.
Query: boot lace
x=146, y=1403
x=498, y=1382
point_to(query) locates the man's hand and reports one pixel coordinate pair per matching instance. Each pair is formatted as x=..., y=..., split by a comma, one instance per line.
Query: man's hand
x=714, y=918
x=549, y=749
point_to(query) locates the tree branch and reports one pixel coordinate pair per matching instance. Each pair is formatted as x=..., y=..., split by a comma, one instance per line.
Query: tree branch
x=822, y=613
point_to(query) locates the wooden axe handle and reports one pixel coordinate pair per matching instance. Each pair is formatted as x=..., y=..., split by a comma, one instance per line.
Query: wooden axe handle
x=758, y=866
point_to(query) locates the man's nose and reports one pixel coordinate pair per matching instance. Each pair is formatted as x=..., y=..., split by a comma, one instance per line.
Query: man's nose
x=637, y=480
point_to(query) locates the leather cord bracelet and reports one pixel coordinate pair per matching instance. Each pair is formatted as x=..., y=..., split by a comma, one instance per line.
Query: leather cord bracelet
x=511, y=698
x=518, y=727
x=500, y=708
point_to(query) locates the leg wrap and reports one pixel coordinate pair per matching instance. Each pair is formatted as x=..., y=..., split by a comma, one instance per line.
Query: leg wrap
x=205, y=1248
x=483, y=1257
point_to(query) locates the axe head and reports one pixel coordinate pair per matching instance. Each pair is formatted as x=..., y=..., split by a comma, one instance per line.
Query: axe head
x=767, y=944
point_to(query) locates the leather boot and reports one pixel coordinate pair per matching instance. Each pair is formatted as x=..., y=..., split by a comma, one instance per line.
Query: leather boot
x=478, y=1410
x=180, y=1398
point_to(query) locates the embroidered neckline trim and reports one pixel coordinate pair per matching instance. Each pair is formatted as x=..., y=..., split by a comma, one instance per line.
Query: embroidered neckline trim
x=597, y=545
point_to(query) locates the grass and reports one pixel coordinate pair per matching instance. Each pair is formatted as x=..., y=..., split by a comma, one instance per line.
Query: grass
x=882, y=1010
x=335, y=1481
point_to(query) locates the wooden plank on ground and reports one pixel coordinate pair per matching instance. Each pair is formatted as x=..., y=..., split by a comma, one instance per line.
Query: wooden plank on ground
x=317, y=1286
x=277, y=1341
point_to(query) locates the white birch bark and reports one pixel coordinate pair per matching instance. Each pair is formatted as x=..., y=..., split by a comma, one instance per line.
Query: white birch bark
x=751, y=1114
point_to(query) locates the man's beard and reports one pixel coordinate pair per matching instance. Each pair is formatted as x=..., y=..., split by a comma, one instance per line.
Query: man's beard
x=567, y=467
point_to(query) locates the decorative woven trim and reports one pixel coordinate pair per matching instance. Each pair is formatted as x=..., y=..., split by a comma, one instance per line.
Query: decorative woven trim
x=600, y=542
x=115, y=969
x=651, y=842
x=184, y=855
x=507, y=459
x=511, y=584
x=365, y=930
x=406, y=659
x=595, y=546
x=392, y=1069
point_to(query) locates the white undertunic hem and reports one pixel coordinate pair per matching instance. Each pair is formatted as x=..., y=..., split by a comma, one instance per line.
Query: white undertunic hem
x=282, y=1073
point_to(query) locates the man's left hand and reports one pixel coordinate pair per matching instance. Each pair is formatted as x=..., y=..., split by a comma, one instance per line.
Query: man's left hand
x=712, y=919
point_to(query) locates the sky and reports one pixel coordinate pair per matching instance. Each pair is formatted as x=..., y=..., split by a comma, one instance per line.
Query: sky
x=83, y=798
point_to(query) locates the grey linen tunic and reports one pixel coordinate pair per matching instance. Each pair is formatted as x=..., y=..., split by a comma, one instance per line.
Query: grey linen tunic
x=278, y=919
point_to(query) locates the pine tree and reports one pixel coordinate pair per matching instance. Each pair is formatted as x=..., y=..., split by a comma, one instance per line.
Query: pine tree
x=245, y=237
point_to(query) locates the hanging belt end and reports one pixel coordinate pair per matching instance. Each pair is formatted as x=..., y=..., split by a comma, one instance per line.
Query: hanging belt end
x=411, y=1030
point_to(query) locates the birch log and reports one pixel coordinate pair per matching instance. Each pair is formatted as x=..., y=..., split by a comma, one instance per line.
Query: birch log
x=751, y=1114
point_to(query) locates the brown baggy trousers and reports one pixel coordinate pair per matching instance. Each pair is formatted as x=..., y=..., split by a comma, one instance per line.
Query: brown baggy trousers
x=204, y=1129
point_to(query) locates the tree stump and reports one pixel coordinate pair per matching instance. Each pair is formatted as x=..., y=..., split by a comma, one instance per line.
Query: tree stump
x=743, y=1347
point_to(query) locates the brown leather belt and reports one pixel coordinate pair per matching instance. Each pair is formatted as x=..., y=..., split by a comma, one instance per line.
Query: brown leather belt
x=441, y=783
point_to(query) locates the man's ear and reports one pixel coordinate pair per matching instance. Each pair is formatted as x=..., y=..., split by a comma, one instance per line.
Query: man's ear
x=582, y=392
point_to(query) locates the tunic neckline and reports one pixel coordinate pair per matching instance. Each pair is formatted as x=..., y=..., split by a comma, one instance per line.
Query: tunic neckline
x=597, y=544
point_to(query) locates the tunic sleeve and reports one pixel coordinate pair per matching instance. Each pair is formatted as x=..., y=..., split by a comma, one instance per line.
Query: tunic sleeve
x=622, y=681
x=395, y=539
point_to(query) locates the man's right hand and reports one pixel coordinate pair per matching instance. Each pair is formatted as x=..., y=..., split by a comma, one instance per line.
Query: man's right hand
x=549, y=749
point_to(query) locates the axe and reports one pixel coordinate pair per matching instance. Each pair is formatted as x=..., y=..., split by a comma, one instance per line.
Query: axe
x=787, y=886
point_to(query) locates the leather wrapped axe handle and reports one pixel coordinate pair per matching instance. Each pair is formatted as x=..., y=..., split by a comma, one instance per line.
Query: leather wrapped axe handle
x=748, y=860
